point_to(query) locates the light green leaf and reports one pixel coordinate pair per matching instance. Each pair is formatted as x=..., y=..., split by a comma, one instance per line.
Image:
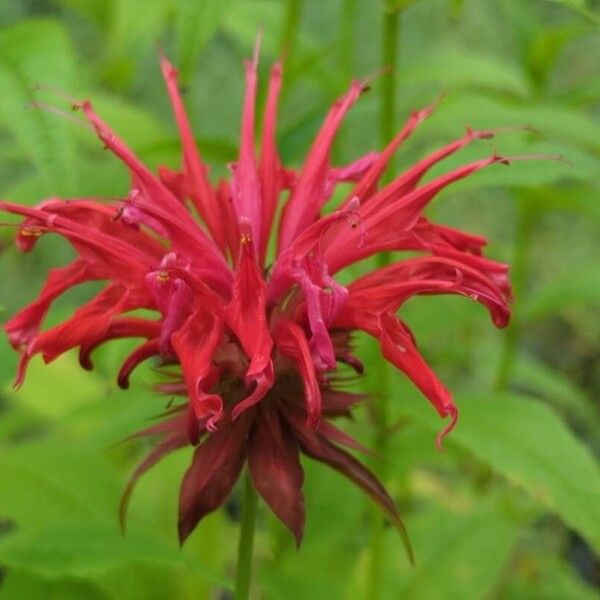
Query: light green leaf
x=526, y=442
x=579, y=6
x=575, y=288
x=246, y=19
x=481, y=111
x=34, y=53
x=18, y=584
x=454, y=68
x=542, y=380
x=73, y=483
x=197, y=22
x=456, y=552
x=100, y=553
x=549, y=578
x=137, y=127
x=55, y=390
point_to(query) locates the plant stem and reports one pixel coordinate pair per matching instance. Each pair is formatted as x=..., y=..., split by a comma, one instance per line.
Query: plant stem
x=246, y=545
x=520, y=266
x=390, y=29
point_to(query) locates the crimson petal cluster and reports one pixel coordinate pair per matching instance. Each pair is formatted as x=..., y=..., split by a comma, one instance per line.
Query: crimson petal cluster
x=257, y=348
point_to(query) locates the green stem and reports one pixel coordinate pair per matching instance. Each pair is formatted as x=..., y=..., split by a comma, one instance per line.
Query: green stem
x=246, y=545
x=390, y=30
x=519, y=270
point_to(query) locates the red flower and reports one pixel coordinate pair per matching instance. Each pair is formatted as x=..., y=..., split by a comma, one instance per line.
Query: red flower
x=257, y=346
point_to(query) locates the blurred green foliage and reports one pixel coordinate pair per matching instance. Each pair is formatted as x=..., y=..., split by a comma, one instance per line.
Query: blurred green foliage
x=511, y=509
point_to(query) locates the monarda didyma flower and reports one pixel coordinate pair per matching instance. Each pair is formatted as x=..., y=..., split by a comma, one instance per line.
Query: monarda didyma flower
x=255, y=348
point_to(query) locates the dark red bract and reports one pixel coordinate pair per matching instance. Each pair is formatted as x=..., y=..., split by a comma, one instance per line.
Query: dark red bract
x=257, y=346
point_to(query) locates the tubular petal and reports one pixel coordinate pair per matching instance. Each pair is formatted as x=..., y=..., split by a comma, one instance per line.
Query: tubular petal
x=245, y=184
x=270, y=171
x=140, y=354
x=246, y=316
x=309, y=192
x=291, y=341
x=195, y=344
x=195, y=170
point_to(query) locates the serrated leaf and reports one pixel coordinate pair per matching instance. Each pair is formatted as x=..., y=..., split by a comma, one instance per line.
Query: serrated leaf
x=34, y=53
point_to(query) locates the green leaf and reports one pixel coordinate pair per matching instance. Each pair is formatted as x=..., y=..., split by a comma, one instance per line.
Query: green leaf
x=575, y=288
x=69, y=387
x=126, y=566
x=579, y=6
x=34, y=53
x=542, y=380
x=18, y=584
x=481, y=111
x=526, y=442
x=548, y=578
x=138, y=127
x=456, y=551
x=197, y=23
x=73, y=482
x=557, y=162
x=245, y=19
x=454, y=68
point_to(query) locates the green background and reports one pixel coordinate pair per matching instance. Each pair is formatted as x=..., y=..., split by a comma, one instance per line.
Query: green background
x=511, y=509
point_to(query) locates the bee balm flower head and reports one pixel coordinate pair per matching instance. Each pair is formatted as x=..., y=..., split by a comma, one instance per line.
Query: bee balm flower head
x=257, y=347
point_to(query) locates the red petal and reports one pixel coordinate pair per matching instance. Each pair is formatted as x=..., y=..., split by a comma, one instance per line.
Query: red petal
x=119, y=328
x=388, y=219
x=368, y=183
x=24, y=326
x=173, y=442
x=246, y=317
x=195, y=344
x=310, y=190
x=334, y=434
x=398, y=347
x=320, y=449
x=270, y=171
x=273, y=459
x=385, y=290
x=140, y=354
x=89, y=323
x=337, y=403
x=292, y=342
x=215, y=468
x=199, y=186
x=245, y=186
